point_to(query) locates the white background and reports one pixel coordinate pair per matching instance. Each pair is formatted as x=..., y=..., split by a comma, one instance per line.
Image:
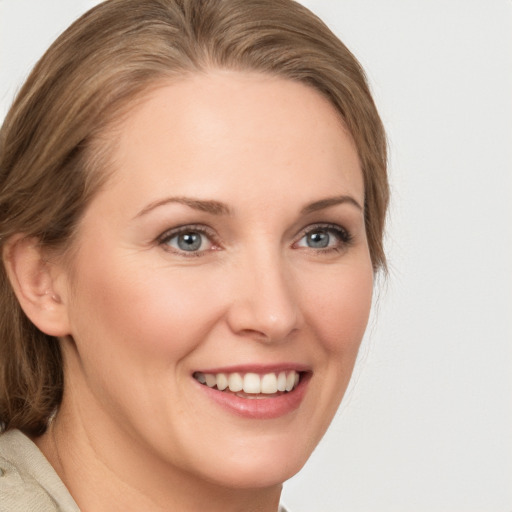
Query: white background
x=427, y=422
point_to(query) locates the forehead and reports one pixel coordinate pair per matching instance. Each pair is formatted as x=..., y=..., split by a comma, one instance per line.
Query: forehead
x=227, y=132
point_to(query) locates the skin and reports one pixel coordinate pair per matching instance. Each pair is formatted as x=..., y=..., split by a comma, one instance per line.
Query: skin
x=135, y=430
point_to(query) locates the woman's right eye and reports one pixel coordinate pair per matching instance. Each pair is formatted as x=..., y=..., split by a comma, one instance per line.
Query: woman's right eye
x=189, y=240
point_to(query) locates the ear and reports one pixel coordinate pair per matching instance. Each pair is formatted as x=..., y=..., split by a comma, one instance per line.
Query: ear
x=38, y=284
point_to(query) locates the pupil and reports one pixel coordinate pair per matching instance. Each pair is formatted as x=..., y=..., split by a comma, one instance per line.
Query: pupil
x=320, y=239
x=189, y=241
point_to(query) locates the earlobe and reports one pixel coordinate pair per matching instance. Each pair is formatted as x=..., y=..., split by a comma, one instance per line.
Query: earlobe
x=37, y=285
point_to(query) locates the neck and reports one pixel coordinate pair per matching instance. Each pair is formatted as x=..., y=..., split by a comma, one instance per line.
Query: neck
x=108, y=471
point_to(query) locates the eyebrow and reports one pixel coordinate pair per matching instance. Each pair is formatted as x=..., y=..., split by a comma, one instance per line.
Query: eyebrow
x=328, y=202
x=208, y=206
x=218, y=208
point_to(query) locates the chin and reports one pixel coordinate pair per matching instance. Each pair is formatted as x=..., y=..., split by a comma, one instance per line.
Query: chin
x=257, y=474
x=257, y=463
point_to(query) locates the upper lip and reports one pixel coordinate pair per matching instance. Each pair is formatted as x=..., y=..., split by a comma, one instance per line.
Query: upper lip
x=257, y=368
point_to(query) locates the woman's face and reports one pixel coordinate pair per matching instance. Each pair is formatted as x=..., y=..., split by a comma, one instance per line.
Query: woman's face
x=228, y=246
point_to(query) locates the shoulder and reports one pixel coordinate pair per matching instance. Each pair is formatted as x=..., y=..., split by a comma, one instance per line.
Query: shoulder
x=28, y=483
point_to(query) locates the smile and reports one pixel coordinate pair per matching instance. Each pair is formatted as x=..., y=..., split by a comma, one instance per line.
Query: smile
x=251, y=385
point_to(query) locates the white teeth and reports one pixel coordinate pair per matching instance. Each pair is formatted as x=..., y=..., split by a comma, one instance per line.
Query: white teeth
x=269, y=383
x=222, y=381
x=290, y=380
x=235, y=382
x=281, y=381
x=211, y=380
x=251, y=383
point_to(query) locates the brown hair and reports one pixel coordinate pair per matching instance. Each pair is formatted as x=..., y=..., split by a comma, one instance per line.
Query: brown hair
x=49, y=149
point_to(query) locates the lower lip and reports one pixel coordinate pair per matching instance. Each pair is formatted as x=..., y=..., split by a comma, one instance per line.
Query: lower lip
x=259, y=408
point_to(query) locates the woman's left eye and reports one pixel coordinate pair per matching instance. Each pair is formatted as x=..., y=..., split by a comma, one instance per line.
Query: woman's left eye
x=325, y=237
x=192, y=241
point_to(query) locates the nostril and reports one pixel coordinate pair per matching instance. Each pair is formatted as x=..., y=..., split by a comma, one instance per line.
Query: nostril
x=271, y=336
x=253, y=333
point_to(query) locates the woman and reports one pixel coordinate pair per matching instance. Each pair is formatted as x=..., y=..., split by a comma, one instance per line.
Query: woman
x=192, y=204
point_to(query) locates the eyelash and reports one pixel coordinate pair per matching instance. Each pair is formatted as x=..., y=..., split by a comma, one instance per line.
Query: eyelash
x=344, y=236
x=166, y=237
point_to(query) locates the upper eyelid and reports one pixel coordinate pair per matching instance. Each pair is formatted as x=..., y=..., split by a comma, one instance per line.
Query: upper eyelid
x=163, y=239
x=214, y=238
x=200, y=228
x=345, y=236
x=323, y=225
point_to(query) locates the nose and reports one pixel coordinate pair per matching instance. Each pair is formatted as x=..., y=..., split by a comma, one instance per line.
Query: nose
x=264, y=303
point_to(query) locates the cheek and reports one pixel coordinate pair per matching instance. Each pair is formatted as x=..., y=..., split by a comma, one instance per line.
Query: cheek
x=156, y=313
x=338, y=307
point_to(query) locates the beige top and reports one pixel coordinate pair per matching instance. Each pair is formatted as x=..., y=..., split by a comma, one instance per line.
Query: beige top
x=28, y=482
